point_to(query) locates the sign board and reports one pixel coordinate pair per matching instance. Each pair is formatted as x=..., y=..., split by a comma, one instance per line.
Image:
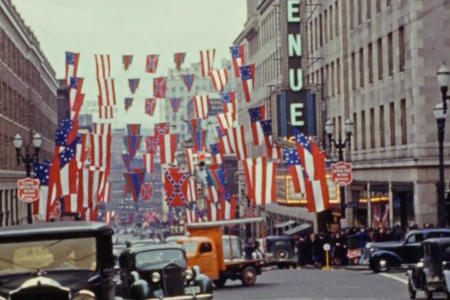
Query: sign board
x=28, y=189
x=55, y=210
x=341, y=173
x=326, y=247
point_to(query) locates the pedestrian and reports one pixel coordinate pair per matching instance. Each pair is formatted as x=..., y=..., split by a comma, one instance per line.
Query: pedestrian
x=337, y=249
x=317, y=251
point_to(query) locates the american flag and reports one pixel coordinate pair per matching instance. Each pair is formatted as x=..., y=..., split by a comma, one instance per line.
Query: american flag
x=168, y=146
x=273, y=151
x=76, y=97
x=292, y=161
x=215, y=152
x=237, y=140
x=42, y=172
x=106, y=87
x=219, y=79
x=224, y=141
x=201, y=104
x=190, y=159
x=192, y=190
x=257, y=114
x=71, y=65
x=134, y=84
x=228, y=206
x=238, y=56
x=127, y=60
x=262, y=180
x=248, y=77
x=229, y=101
x=207, y=60
x=226, y=120
x=149, y=162
x=152, y=63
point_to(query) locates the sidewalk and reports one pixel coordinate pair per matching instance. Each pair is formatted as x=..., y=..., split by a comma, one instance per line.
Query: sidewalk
x=357, y=267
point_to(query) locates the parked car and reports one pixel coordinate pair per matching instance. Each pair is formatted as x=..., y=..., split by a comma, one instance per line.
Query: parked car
x=161, y=272
x=384, y=255
x=69, y=260
x=280, y=251
x=432, y=273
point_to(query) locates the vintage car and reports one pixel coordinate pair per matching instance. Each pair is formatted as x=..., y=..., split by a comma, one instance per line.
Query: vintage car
x=69, y=260
x=280, y=251
x=384, y=255
x=160, y=272
x=432, y=272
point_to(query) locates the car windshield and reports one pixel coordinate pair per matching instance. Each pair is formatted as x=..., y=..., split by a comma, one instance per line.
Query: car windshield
x=190, y=246
x=77, y=253
x=163, y=256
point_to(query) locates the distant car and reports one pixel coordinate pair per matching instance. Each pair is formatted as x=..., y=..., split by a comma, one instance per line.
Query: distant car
x=161, y=272
x=384, y=255
x=68, y=260
x=280, y=251
x=145, y=242
x=432, y=273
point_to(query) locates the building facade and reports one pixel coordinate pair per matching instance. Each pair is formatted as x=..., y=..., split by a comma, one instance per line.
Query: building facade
x=376, y=63
x=28, y=102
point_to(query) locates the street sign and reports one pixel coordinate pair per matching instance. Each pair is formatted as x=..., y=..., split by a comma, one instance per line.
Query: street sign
x=28, y=189
x=341, y=173
x=326, y=247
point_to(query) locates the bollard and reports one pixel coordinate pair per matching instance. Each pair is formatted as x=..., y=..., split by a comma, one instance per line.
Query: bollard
x=326, y=248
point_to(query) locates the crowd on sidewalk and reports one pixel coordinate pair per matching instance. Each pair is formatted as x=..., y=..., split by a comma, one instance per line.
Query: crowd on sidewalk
x=346, y=245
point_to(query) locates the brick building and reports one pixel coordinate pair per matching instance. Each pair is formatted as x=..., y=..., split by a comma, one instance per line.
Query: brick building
x=28, y=101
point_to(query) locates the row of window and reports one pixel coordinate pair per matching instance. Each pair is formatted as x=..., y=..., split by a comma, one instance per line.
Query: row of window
x=267, y=70
x=9, y=208
x=269, y=27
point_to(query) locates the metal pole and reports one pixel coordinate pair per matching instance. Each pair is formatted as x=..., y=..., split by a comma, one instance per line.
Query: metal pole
x=442, y=212
x=340, y=147
x=27, y=162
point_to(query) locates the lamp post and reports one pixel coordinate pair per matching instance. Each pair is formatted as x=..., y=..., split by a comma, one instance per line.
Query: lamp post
x=440, y=113
x=340, y=145
x=28, y=159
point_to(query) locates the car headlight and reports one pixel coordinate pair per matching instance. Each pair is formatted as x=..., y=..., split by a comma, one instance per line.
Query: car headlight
x=84, y=295
x=156, y=277
x=420, y=264
x=188, y=274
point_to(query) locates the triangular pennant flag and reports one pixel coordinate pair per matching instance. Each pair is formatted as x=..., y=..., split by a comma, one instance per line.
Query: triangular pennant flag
x=134, y=129
x=175, y=102
x=126, y=161
x=133, y=83
x=127, y=60
x=152, y=63
x=128, y=102
x=179, y=59
x=132, y=143
x=150, y=106
x=188, y=81
x=134, y=181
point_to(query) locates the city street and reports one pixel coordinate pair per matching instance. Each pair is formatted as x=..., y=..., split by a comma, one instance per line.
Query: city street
x=316, y=284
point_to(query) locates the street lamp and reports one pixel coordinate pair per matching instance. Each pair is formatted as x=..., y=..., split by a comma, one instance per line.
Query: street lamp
x=28, y=159
x=440, y=113
x=340, y=145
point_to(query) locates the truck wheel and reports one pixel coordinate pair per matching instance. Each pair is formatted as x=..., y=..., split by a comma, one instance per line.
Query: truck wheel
x=248, y=276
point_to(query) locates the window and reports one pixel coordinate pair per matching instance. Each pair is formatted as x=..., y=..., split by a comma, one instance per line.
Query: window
x=325, y=26
x=370, y=62
x=332, y=78
x=368, y=10
x=388, y=3
x=390, y=55
x=380, y=59
x=336, y=21
x=316, y=34
x=338, y=76
x=331, y=22
x=355, y=132
x=328, y=81
x=378, y=5
x=353, y=71
x=361, y=67
x=363, y=130
x=360, y=12
x=403, y=120
x=372, y=128
x=320, y=31
x=352, y=14
x=381, y=116
x=392, y=122
x=311, y=37
x=401, y=48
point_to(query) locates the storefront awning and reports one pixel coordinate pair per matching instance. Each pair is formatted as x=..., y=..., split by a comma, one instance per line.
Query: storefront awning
x=284, y=224
x=298, y=229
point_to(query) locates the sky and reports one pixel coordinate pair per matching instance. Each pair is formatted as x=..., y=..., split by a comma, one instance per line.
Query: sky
x=137, y=27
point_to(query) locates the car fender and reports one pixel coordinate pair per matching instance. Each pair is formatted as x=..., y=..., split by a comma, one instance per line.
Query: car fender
x=447, y=278
x=394, y=258
x=204, y=282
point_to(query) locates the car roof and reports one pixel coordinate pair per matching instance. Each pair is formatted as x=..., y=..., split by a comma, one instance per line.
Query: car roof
x=438, y=240
x=428, y=230
x=138, y=248
x=50, y=228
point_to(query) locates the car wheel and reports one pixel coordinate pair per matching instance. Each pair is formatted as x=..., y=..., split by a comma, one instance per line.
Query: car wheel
x=411, y=291
x=382, y=264
x=281, y=254
x=248, y=276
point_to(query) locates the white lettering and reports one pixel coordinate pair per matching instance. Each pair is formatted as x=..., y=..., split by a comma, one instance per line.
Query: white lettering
x=295, y=82
x=295, y=44
x=293, y=7
x=296, y=114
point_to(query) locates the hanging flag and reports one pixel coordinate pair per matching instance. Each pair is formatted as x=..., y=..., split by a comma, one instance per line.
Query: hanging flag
x=179, y=59
x=188, y=81
x=134, y=181
x=132, y=143
x=168, y=146
x=71, y=65
x=237, y=141
x=127, y=60
x=150, y=106
x=219, y=79
x=264, y=175
x=217, y=157
x=103, y=66
x=229, y=101
x=190, y=159
x=192, y=190
x=127, y=161
x=42, y=172
x=128, y=102
x=161, y=129
x=126, y=190
x=159, y=87
x=151, y=143
x=176, y=186
x=257, y=114
x=102, y=129
x=248, y=77
x=228, y=207
x=134, y=129
x=226, y=120
x=106, y=87
x=273, y=151
x=218, y=174
x=238, y=57
x=201, y=104
x=134, y=84
x=76, y=97
x=195, y=125
x=213, y=194
x=207, y=61
x=292, y=161
x=100, y=146
x=213, y=211
x=224, y=141
x=152, y=63
x=146, y=191
x=175, y=102
x=148, y=159
x=199, y=140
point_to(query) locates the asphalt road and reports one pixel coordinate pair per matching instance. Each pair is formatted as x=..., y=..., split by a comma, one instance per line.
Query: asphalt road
x=317, y=284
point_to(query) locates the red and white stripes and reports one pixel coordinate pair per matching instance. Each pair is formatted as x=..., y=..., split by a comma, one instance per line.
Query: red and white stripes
x=219, y=79
x=201, y=104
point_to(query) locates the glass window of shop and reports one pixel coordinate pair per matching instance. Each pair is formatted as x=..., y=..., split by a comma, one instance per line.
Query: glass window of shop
x=359, y=204
x=379, y=204
x=403, y=199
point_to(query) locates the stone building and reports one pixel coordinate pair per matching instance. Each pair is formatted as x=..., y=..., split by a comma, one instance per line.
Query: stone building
x=375, y=62
x=28, y=101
